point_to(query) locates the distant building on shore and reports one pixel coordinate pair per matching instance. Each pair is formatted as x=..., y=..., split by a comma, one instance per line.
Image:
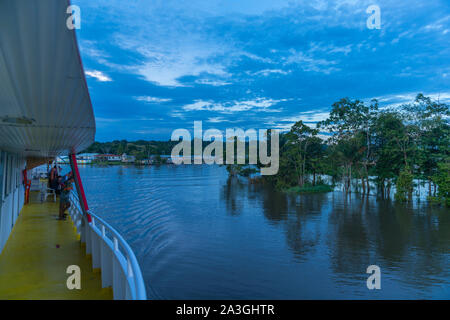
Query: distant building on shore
x=86, y=158
x=82, y=158
x=127, y=158
x=108, y=157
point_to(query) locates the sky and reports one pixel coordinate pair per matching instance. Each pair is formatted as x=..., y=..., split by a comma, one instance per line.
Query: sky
x=156, y=66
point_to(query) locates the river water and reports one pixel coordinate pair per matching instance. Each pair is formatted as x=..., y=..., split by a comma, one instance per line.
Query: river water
x=201, y=235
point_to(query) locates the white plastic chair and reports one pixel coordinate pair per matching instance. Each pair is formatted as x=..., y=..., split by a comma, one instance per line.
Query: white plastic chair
x=45, y=192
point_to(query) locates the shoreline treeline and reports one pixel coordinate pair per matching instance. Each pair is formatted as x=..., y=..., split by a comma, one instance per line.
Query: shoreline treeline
x=387, y=146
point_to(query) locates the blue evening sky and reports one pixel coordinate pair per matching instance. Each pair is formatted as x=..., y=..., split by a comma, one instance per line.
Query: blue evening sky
x=155, y=66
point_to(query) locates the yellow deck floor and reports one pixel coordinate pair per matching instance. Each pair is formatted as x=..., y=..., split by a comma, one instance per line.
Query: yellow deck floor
x=35, y=258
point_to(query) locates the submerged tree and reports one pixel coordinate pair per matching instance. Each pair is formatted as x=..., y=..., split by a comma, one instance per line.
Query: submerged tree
x=442, y=179
x=350, y=123
x=404, y=186
x=430, y=120
x=394, y=146
x=298, y=144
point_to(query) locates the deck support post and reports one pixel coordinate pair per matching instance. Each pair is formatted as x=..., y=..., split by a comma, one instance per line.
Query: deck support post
x=79, y=186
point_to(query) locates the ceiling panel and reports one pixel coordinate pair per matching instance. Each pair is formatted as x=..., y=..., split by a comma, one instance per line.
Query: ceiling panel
x=45, y=108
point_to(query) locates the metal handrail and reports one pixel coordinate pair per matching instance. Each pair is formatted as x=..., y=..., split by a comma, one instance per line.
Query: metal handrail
x=127, y=261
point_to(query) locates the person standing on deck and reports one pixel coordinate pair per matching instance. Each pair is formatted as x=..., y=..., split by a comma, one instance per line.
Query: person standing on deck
x=64, y=202
x=49, y=176
x=62, y=180
x=60, y=184
x=53, y=179
x=67, y=176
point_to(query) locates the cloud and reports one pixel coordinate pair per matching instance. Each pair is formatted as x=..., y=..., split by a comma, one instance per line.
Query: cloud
x=310, y=118
x=267, y=72
x=152, y=99
x=89, y=47
x=213, y=58
x=100, y=76
x=177, y=114
x=397, y=97
x=259, y=104
x=214, y=83
x=165, y=64
x=329, y=48
x=116, y=119
x=217, y=120
x=309, y=63
x=440, y=24
x=395, y=100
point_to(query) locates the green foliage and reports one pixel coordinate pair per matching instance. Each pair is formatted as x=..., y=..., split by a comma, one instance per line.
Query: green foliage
x=247, y=172
x=351, y=125
x=240, y=169
x=442, y=179
x=140, y=149
x=404, y=186
x=391, y=146
x=233, y=169
x=301, y=151
x=157, y=159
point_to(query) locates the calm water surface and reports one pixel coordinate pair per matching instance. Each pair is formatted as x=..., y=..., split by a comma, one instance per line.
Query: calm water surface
x=200, y=235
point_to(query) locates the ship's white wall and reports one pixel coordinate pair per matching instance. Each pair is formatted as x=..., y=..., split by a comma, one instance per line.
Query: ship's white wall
x=12, y=193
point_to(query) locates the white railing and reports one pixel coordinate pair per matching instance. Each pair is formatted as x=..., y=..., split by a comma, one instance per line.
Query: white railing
x=110, y=253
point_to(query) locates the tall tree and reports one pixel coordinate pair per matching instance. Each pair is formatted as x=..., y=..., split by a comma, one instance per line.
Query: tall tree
x=299, y=140
x=430, y=120
x=350, y=123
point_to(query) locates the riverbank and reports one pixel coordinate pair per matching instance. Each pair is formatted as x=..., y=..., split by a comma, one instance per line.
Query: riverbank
x=119, y=163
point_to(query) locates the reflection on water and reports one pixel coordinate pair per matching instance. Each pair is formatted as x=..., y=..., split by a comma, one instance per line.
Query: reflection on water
x=201, y=235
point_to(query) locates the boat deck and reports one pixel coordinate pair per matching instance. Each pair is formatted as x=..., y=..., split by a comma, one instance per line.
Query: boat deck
x=35, y=258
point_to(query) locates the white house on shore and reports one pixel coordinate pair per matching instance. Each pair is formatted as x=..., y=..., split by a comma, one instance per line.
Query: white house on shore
x=86, y=158
x=82, y=158
x=128, y=159
x=108, y=157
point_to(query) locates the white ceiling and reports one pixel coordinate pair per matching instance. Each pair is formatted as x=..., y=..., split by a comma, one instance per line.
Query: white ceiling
x=42, y=81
